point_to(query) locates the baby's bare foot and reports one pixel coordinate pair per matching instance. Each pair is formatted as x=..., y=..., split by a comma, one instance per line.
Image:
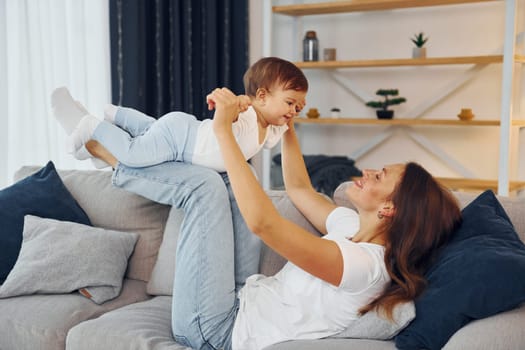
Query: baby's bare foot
x=98, y=151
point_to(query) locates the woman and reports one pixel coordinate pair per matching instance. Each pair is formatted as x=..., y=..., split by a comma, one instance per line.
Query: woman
x=374, y=259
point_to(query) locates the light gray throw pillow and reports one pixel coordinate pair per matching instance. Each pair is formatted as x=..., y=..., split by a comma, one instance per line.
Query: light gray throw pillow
x=60, y=257
x=374, y=326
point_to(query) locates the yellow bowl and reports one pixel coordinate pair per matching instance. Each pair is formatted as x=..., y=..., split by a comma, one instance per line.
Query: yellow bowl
x=465, y=114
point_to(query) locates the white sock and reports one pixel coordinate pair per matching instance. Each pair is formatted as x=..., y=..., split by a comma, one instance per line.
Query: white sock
x=82, y=133
x=110, y=112
x=82, y=153
x=67, y=111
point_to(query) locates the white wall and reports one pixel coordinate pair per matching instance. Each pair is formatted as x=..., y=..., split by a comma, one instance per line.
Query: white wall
x=459, y=30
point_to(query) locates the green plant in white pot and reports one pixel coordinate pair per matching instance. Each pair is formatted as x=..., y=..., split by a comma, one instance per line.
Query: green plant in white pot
x=382, y=111
x=419, y=40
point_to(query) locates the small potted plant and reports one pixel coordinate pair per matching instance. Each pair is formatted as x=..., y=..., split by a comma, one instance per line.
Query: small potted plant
x=382, y=106
x=419, y=40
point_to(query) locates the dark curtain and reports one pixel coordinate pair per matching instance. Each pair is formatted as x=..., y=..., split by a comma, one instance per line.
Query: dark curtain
x=167, y=55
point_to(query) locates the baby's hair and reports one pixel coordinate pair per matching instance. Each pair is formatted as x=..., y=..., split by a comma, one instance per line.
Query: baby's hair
x=269, y=72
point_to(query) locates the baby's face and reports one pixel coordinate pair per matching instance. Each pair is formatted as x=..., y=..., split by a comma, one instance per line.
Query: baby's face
x=282, y=105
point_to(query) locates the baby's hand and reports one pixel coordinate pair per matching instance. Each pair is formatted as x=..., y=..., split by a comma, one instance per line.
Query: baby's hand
x=244, y=102
x=226, y=105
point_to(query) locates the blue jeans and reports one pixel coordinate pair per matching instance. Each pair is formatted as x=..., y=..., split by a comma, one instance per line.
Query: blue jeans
x=215, y=253
x=139, y=140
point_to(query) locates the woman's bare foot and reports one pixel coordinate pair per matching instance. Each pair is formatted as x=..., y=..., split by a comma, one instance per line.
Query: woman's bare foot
x=98, y=151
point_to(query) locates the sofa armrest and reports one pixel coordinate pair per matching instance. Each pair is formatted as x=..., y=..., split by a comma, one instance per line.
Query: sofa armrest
x=499, y=332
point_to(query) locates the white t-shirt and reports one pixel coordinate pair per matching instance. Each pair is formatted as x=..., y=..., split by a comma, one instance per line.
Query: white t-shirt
x=207, y=153
x=295, y=305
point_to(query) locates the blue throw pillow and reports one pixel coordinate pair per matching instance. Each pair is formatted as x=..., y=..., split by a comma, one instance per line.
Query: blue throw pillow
x=478, y=274
x=42, y=194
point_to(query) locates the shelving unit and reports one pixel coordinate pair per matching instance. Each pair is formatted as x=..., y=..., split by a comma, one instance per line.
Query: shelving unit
x=508, y=59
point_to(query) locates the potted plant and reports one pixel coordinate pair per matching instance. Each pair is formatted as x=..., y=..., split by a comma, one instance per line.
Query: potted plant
x=419, y=40
x=382, y=106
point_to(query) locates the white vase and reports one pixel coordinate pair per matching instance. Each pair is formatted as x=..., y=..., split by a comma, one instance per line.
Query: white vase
x=419, y=52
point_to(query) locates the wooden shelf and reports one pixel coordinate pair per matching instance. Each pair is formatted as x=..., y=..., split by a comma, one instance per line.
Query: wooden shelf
x=478, y=184
x=406, y=121
x=363, y=5
x=400, y=62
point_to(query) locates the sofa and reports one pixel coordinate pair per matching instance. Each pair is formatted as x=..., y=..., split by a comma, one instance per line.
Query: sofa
x=139, y=317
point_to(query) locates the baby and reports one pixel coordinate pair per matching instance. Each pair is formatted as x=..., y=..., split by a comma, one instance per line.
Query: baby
x=275, y=93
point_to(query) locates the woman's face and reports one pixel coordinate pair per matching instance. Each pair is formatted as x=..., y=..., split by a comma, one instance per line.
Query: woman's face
x=375, y=187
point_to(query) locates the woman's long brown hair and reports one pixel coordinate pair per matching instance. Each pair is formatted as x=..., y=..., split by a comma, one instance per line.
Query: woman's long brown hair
x=426, y=215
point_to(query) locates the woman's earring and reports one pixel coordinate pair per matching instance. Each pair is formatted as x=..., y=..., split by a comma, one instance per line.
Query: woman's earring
x=381, y=214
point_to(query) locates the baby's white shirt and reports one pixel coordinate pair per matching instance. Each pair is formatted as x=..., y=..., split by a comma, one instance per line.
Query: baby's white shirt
x=207, y=153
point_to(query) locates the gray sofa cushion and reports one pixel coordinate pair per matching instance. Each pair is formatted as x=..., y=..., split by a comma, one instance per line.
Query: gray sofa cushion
x=42, y=321
x=161, y=281
x=145, y=325
x=129, y=213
